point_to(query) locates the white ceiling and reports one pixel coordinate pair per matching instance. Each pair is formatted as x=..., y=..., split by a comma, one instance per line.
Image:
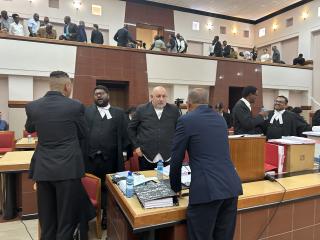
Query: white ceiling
x=249, y=9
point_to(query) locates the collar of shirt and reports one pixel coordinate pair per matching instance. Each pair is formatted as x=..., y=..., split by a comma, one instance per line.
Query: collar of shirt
x=104, y=111
x=159, y=112
x=277, y=116
x=246, y=102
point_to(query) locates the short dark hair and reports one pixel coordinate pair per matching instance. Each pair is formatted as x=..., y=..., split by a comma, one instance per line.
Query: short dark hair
x=219, y=106
x=248, y=90
x=101, y=87
x=58, y=74
x=300, y=55
x=96, y=26
x=15, y=15
x=283, y=97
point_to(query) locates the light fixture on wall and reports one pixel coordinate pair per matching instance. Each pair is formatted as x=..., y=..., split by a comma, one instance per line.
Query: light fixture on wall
x=209, y=26
x=77, y=4
x=275, y=27
x=234, y=31
x=30, y=1
x=305, y=15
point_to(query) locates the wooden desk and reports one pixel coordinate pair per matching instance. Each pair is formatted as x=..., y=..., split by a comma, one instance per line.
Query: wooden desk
x=24, y=143
x=15, y=166
x=127, y=219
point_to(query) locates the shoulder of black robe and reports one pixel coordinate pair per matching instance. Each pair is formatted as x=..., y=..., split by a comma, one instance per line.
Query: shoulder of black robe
x=316, y=118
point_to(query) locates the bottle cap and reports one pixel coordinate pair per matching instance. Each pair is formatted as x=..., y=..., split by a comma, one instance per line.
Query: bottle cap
x=129, y=173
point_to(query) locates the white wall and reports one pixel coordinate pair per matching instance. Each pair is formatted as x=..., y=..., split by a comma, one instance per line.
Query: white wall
x=36, y=59
x=113, y=12
x=180, y=70
x=183, y=25
x=40, y=87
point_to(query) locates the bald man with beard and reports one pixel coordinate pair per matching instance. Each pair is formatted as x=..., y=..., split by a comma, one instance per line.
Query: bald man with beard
x=152, y=128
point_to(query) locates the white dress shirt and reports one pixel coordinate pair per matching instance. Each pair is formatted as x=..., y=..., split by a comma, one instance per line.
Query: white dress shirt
x=265, y=57
x=159, y=112
x=16, y=29
x=277, y=116
x=246, y=102
x=104, y=111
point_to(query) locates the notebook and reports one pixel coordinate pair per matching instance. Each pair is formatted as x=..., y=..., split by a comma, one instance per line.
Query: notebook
x=155, y=195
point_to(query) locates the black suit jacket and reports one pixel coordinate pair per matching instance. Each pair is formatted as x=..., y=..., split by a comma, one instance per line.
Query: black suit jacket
x=204, y=134
x=243, y=121
x=217, y=51
x=60, y=124
x=316, y=118
x=123, y=37
x=226, y=51
x=73, y=31
x=149, y=133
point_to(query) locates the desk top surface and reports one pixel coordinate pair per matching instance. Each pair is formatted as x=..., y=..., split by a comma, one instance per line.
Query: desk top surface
x=24, y=143
x=16, y=161
x=255, y=194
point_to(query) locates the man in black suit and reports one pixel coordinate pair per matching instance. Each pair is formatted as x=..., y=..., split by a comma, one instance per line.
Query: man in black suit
x=281, y=122
x=151, y=129
x=123, y=37
x=215, y=184
x=244, y=122
x=57, y=164
x=316, y=118
x=226, y=49
x=216, y=47
x=227, y=116
x=96, y=35
x=70, y=30
x=107, y=140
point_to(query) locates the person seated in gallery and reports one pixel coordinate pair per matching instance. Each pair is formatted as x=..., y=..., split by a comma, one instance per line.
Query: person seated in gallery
x=47, y=31
x=299, y=60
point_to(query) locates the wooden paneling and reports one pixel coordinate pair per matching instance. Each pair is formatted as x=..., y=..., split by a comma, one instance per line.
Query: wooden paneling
x=17, y=104
x=236, y=74
x=94, y=64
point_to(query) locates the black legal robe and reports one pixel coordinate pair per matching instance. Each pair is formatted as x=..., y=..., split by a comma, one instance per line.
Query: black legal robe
x=291, y=126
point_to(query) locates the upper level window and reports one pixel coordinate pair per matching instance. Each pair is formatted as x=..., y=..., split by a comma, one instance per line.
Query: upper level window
x=289, y=22
x=96, y=10
x=223, y=30
x=262, y=32
x=53, y=3
x=246, y=33
x=195, y=26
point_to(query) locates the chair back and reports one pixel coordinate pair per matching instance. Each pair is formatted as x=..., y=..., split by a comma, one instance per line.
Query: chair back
x=25, y=134
x=6, y=139
x=92, y=185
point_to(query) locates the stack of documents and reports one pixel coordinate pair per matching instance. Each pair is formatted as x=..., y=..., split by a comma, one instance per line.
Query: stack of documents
x=185, y=174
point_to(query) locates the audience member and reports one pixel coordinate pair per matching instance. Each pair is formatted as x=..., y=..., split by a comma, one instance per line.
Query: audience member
x=299, y=60
x=226, y=49
x=45, y=22
x=216, y=47
x=254, y=53
x=246, y=55
x=123, y=37
x=33, y=25
x=265, y=57
x=182, y=44
x=57, y=165
x=244, y=122
x=82, y=35
x=233, y=53
x=107, y=140
x=5, y=21
x=281, y=122
x=215, y=184
x=227, y=116
x=16, y=27
x=47, y=31
x=70, y=30
x=172, y=44
x=316, y=118
x=4, y=126
x=96, y=35
x=151, y=129
x=276, y=57
x=158, y=44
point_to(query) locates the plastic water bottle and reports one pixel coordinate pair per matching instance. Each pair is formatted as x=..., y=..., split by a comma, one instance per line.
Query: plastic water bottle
x=129, y=189
x=29, y=138
x=160, y=170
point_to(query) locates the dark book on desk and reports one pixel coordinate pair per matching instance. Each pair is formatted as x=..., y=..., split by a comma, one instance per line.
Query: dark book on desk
x=154, y=195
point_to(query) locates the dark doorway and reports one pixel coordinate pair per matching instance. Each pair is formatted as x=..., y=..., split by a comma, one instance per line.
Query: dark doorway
x=235, y=93
x=118, y=92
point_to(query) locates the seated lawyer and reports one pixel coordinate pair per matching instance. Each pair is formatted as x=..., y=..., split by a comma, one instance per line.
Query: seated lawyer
x=281, y=122
x=215, y=184
x=244, y=122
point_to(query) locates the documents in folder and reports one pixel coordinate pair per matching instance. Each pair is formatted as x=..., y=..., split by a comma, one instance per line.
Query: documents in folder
x=155, y=195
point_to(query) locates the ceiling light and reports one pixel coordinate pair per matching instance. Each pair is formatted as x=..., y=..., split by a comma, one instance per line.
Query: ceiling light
x=234, y=31
x=275, y=27
x=305, y=15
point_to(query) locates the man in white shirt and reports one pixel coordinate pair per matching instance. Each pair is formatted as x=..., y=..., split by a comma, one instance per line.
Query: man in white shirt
x=246, y=55
x=265, y=57
x=34, y=25
x=182, y=44
x=16, y=27
x=5, y=21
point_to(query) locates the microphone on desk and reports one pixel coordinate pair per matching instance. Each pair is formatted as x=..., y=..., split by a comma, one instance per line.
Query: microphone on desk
x=269, y=177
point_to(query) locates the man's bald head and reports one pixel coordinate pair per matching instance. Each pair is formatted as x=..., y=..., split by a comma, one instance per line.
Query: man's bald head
x=197, y=96
x=159, y=97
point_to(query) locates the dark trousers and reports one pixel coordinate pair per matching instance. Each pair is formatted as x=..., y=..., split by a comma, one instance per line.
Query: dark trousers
x=212, y=221
x=59, y=206
x=145, y=165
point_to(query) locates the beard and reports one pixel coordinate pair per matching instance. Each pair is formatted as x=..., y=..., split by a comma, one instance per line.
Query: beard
x=103, y=103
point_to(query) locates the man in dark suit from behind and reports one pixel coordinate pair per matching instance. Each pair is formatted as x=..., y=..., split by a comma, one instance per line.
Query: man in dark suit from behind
x=151, y=129
x=57, y=163
x=123, y=37
x=244, y=122
x=215, y=184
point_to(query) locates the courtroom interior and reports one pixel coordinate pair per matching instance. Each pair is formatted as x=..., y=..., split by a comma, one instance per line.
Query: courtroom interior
x=160, y=119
